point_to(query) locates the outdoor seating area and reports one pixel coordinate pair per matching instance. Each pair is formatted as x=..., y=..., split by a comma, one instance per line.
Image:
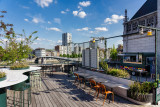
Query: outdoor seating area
x=114, y=84
x=57, y=91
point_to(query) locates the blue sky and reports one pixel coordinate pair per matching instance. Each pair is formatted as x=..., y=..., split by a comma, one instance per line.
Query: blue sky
x=82, y=18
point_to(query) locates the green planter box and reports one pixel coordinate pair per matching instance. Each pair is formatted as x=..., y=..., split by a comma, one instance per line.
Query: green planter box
x=4, y=78
x=3, y=97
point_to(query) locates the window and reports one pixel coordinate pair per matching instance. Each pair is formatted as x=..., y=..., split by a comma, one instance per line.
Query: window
x=133, y=58
x=134, y=26
x=142, y=22
x=128, y=27
x=150, y=21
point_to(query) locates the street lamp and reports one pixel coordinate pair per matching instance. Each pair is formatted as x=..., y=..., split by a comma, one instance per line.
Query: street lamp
x=149, y=33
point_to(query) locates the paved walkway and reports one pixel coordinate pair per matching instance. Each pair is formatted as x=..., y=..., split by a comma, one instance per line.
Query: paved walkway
x=59, y=91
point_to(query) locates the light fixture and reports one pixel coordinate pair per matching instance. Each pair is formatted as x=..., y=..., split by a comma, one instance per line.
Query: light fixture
x=149, y=33
x=141, y=31
x=101, y=39
x=93, y=40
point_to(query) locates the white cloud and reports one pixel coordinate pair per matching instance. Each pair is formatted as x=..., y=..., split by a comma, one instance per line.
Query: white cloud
x=25, y=7
x=85, y=3
x=67, y=10
x=114, y=19
x=101, y=29
x=57, y=20
x=35, y=43
x=75, y=13
x=26, y=20
x=49, y=22
x=80, y=8
x=43, y=3
x=49, y=40
x=83, y=29
x=54, y=29
x=63, y=12
x=59, y=41
x=37, y=20
x=80, y=14
x=40, y=39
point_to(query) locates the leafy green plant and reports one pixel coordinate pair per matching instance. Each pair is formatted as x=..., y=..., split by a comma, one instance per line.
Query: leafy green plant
x=118, y=73
x=113, y=53
x=140, y=88
x=17, y=46
x=2, y=74
x=104, y=65
x=112, y=71
x=19, y=66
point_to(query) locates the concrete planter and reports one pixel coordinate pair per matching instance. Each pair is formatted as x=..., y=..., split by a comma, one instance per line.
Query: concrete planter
x=146, y=98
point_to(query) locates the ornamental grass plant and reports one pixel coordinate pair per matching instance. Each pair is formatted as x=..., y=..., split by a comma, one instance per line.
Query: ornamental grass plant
x=19, y=65
x=2, y=74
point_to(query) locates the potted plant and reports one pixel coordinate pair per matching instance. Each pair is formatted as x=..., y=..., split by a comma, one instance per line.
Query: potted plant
x=19, y=66
x=142, y=92
x=2, y=76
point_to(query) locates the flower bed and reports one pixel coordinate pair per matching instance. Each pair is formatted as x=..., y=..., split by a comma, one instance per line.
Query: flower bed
x=114, y=72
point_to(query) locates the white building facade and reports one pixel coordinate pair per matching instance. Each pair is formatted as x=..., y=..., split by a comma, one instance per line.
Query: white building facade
x=66, y=38
x=40, y=52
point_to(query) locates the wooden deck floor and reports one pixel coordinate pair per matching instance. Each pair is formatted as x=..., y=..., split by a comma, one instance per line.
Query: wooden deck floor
x=58, y=91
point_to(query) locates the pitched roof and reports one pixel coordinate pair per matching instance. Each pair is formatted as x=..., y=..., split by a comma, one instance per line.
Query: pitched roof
x=148, y=7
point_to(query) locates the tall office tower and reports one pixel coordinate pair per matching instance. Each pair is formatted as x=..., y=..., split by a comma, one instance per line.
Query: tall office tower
x=66, y=38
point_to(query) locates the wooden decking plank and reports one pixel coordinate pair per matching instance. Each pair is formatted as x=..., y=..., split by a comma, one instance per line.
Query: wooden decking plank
x=54, y=96
x=76, y=91
x=61, y=98
x=69, y=87
x=50, y=101
x=36, y=99
x=54, y=100
x=83, y=103
x=70, y=102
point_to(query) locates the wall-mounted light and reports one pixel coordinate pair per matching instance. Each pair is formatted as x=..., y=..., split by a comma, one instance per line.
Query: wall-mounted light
x=149, y=33
x=94, y=40
x=141, y=31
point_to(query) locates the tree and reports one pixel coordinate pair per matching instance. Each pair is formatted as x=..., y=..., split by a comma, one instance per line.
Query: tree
x=113, y=53
x=64, y=55
x=18, y=45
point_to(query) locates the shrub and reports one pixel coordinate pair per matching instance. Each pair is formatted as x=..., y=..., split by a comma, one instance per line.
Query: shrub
x=104, y=66
x=118, y=73
x=2, y=74
x=19, y=66
x=140, y=88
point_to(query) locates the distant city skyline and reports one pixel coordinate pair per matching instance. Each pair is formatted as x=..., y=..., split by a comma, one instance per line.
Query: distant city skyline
x=81, y=18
